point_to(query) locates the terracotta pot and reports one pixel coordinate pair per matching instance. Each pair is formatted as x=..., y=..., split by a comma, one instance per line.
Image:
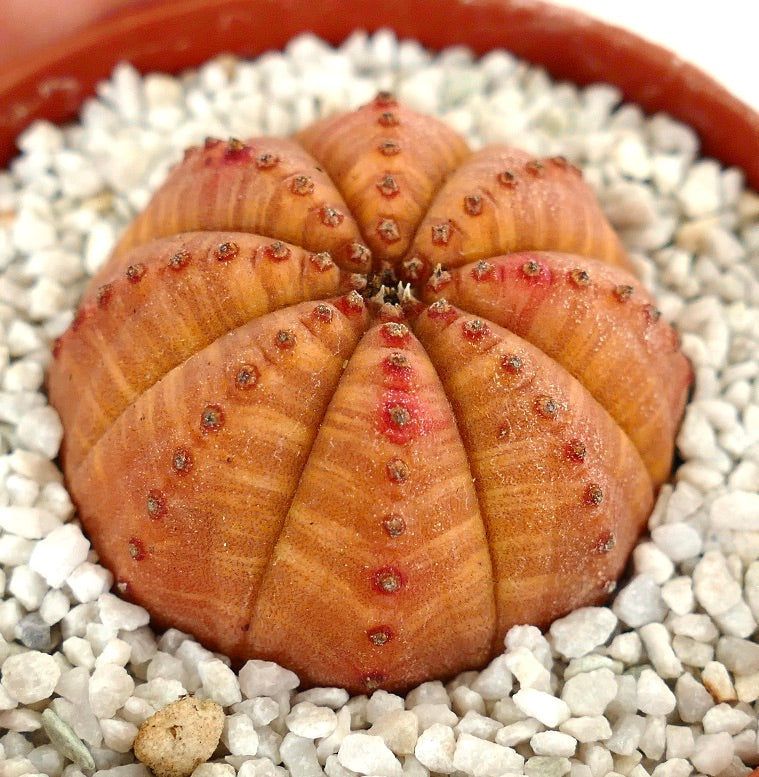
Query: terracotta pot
x=176, y=34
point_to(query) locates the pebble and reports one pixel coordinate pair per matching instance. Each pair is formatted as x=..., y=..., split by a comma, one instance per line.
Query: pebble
x=119, y=735
x=650, y=560
x=27, y=586
x=307, y=720
x=182, y=735
x=640, y=602
x=548, y=766
x=715, y=588
x=582, y=630
x=700, y=193
x=261, y=710
x=399, y=730
x=214, y=770
x=679, y=541
x=431, y=714
x=40, y=430
x=677, y=594
x=527, y=670
x=478, y=725
x=692, y=653
x=66, y=741
x=588, y=728
x=725, y=717
x=554, y=743
x=747, y=687
x=28, y=522
x=626, y=734
x=464, y=700
x=589, y=693
x=495, y=681
x=517, y=732
x=432, y=692
x=485, y=759
x=716, y=680
x=240, y=735
x=329, y=745
x=740, y=656
x=264, y=678
x=542, y=706
x=369, y=755
x=657, y=642
x=34, y=633
x=712, y=753
x=654, y=697
x=693, y=700
x=119, y=614
x=381, y=702
x=110, y=687
x=55, y=604
x=58, y=554
x=334, y=698
x=220, y=683
x=680, y=741
x=30, y=676
x=88, y=581
x=736, y=510
x=696, y=625
x=264, y=767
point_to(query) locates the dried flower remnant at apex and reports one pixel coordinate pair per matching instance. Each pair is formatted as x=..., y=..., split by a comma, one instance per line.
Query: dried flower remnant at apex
x=367, y=372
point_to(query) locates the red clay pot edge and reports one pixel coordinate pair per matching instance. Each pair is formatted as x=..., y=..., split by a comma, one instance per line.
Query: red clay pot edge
x=177, y=34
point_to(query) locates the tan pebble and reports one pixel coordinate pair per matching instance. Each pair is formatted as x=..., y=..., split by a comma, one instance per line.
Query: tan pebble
x=177, y=738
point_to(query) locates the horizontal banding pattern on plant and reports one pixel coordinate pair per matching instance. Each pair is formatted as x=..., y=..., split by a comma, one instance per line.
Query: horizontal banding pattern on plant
x=412, y=215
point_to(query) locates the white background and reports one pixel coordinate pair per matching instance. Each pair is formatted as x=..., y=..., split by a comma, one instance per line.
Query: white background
x=720, y=37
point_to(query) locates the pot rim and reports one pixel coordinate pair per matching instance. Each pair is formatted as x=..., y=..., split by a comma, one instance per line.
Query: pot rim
x=53, y=82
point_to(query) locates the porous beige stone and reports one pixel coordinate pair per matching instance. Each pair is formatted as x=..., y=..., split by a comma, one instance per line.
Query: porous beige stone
x=179, y=737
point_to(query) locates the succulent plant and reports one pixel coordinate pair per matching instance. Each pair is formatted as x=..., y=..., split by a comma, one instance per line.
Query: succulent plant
x=361, y=400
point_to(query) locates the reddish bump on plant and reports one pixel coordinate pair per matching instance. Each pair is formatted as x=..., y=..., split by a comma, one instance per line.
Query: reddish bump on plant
x=179, y=260
x=324, y=313
x=394, y=525
x=512, y=363
x=103, y=294
x=156, y=503
x=212, y=418
x=389, y=147
x=135, y=272
x=432, y=403
x=247, y=376
x=277, y=251
x=388, y=119
x=380, y=635
x=181, y=461
x=266, y=160
x=507, y=179
x=302, y=185
x=331, y=217
x=594, y=494
x=397, y=471
x=388, y=580
x=388, y=186
x=322, y=261
x=575, y=450
x=473, y=204
x=226, y=251
x=579, y=277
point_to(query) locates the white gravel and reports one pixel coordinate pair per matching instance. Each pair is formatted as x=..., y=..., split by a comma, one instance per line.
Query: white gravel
x=664, y=682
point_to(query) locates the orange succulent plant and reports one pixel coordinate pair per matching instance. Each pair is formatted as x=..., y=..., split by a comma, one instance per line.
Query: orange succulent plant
x=361, y=400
